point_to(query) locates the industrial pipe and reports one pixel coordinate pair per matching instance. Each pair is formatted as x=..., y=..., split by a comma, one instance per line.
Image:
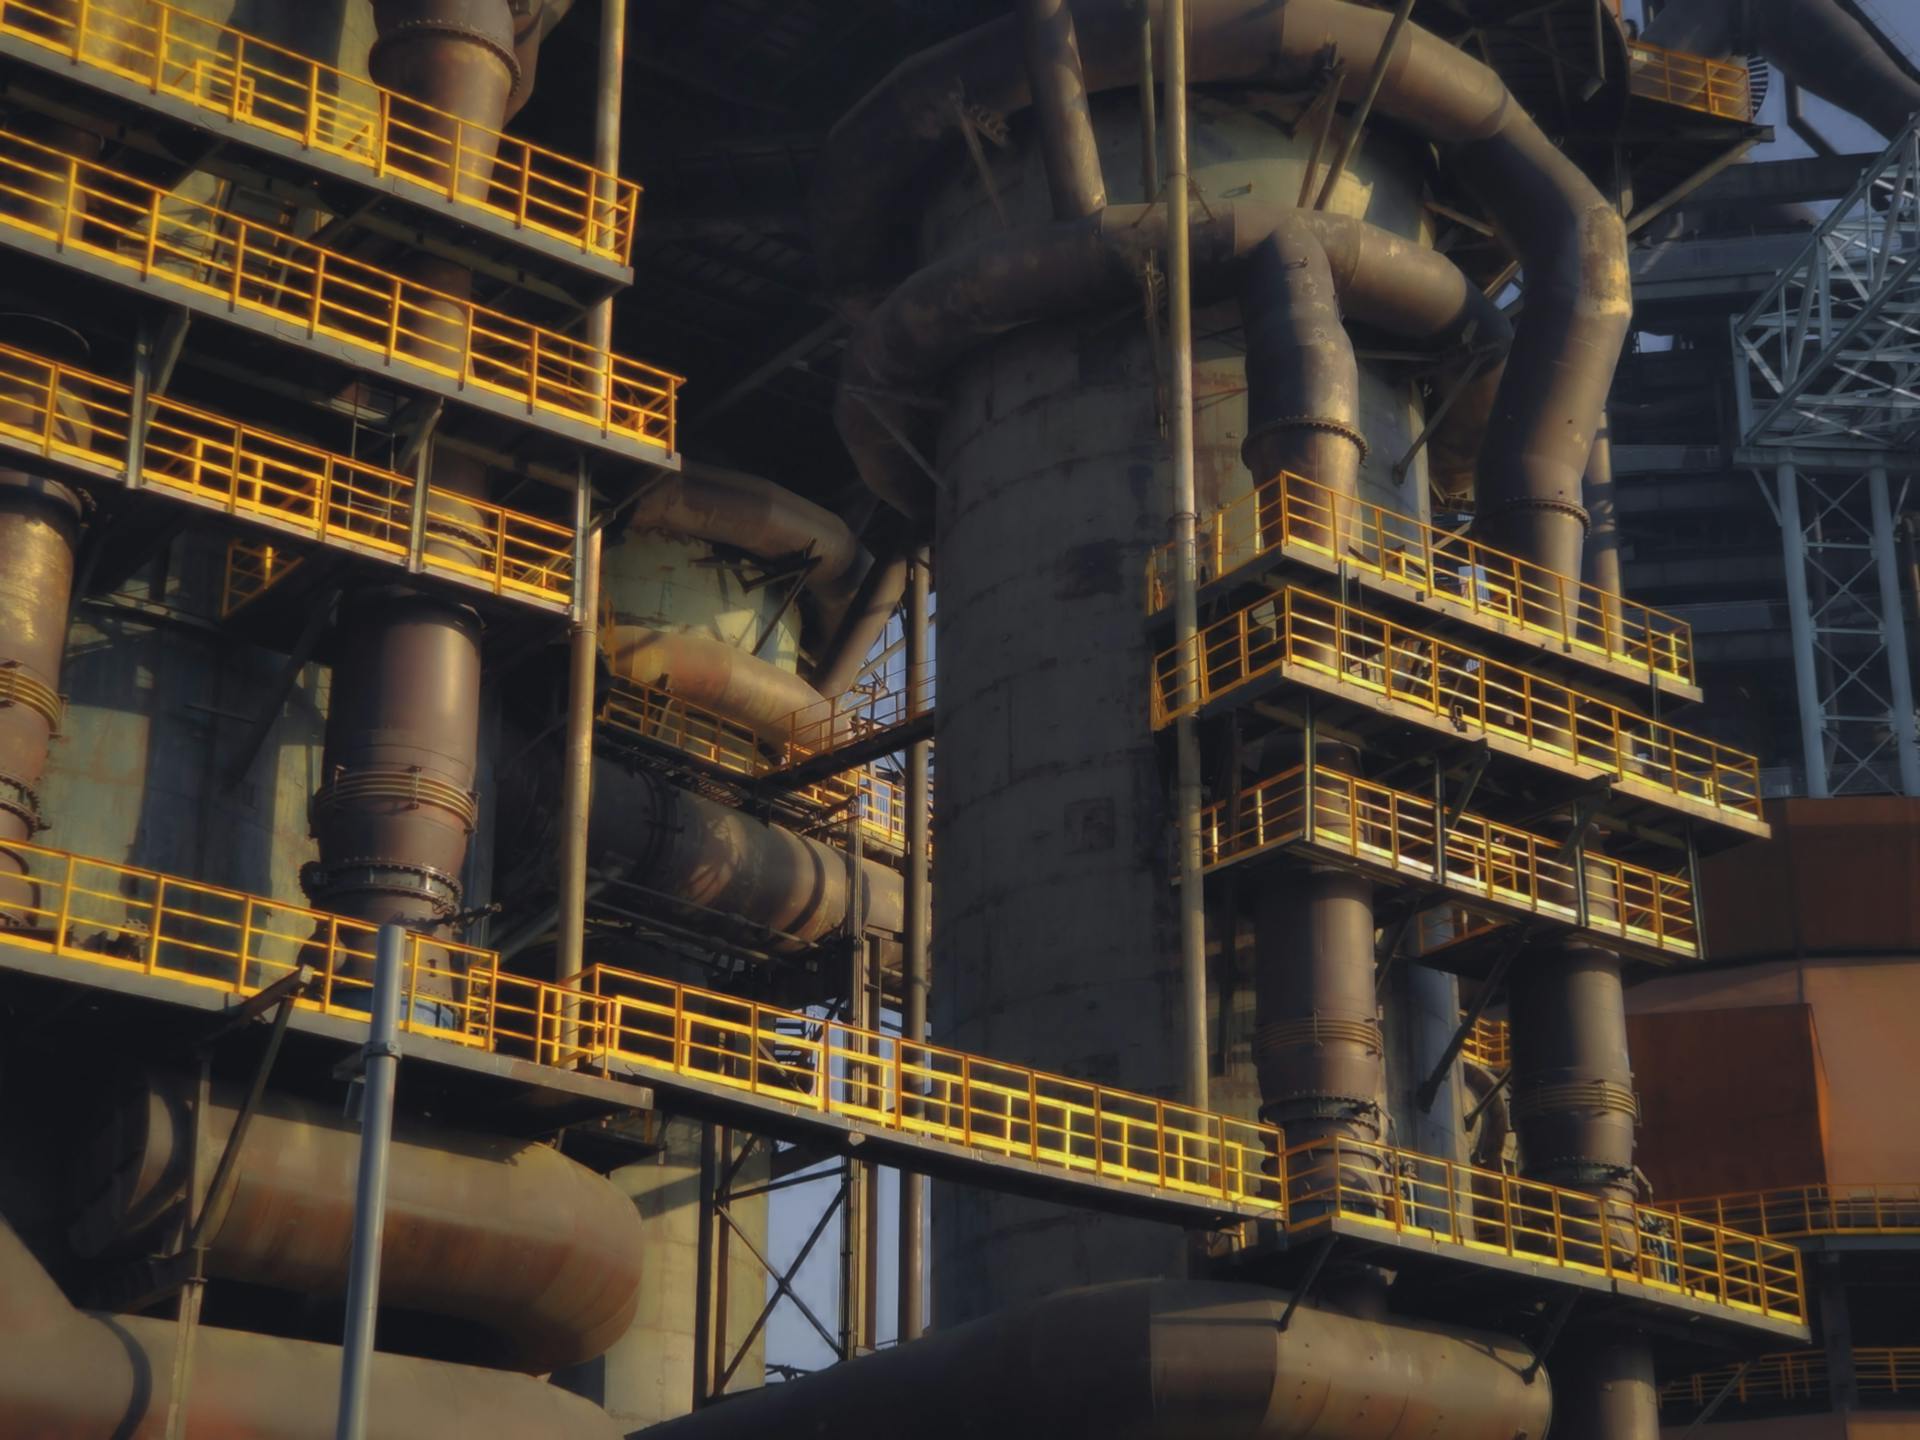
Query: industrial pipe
x=706, y=671
x=916, y=968
x=746, y=512
x=1068, y=146
x=537, y=1253
x=1816, y=44
x=1160, y=1360
x=1570, y=241
x=1603, y=538
x=691, y=850
x=65, y=1375
x=862, y=621
x=945, y=310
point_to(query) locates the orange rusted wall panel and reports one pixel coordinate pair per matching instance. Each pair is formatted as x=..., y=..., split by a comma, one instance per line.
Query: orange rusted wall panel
x=1838, y=877
x=1732, y=1098
x=1868, y=1019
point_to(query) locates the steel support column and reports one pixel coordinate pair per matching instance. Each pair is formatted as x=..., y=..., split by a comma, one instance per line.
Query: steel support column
x=1793, y=541
x=1893, y=630
x=914, y=979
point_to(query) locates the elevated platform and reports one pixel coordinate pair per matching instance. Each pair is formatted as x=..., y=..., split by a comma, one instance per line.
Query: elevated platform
x=193, y=85
x=135, y=236
x=157, y=939
x=1447, y=580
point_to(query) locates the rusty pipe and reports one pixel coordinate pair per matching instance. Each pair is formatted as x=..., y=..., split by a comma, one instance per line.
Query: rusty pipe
x=69, y=1375
x=536, y=1251
x=458, y=59
x=1157, y=1360
x=688, y=850
x=1068, y=147
x=935, y=318
x=705, y=671
x=1571, y=242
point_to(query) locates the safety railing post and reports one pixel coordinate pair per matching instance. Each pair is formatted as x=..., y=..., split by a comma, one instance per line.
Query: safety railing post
x=159, y=49
x=81, y=16
x=383, y=123
x=159, y=921
x=66, y=908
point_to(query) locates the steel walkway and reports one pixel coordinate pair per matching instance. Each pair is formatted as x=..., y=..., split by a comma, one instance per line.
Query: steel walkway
x=81, y=421
x=942, y=1111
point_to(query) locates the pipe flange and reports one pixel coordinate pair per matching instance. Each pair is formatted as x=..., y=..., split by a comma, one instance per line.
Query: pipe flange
x=1570, y=1096
x=453, y=23
x=1532, y=502
x=1317, y=1105
x=322, y=879
x=1307, y=422
x=19, y=798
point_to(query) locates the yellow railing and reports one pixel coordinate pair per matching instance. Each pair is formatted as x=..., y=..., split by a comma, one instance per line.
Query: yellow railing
x=1807, y=1210
x=237, y=470
x=94, y=912
x=1795, y=1376
x=1490, y=1211
x=245, y=266
x=253, y=567
x=650, y=713
x=128, y=919
x=1488, y=1045
x=857, y=715
x=173, y=52
x=1715, y=87
x=1485, y=864
x=1321, y=641
x=1447, y=570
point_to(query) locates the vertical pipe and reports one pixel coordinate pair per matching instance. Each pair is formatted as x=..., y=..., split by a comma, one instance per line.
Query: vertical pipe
x=1806, y=680
x=1149, y=121
x=370, y=1197
x=1186, y=803
x=583, y=636
x=1603, y=532
x=914, y=980
x=1893, y=627
x=1067, y=143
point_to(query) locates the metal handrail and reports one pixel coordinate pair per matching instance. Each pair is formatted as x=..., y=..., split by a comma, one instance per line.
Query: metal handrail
x=249, y=81
x=857, y=715
x=1323, y=641
x=233, y=469
x=1485, y=863
x=1442, y=1201
x=1804, y=1211
x=96, y=912
x=1798, y=1375
x=1453, y=572
x=1489, y=1044
x=243, y=265
x=1696, y=82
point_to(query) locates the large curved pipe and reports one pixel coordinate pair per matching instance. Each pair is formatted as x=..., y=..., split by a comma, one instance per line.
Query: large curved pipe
x=790, y=890
x=1816, y=44
x=952, y=305
x=862, y=622
x=65, y=1375
x=1160, y=1360
x=1068, y=147
x=705, y=671
x=537, y=1252
x=767, y=521
x=1570, y=240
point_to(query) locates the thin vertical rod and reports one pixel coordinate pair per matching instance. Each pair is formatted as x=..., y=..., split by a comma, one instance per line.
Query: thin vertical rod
x=913, y=983
x=583, y=637
x=1186, y=619
x=1351, y=139
x=382, y=1059
x=1893, y=622
x=1149, y=122
x=1806, y=681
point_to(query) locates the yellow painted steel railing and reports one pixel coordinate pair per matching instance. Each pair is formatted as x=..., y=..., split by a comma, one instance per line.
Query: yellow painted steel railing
x=170, y=240
x=1485, y=863
x=1804, y=1211
x=1714, y=87
x=234, y=469
x=1797, y=1375
x=129, y=919
x=252, y=569
x=1451, y=571
x=222, y=71
x=647, y=712
x=857, y=715
x=1322, y=640
x=94, y=912
x=1490, y=1211
x=1488, y=1045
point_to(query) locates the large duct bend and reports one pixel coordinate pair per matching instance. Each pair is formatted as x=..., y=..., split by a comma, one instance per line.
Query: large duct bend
x=1571, y=242
x=540, y=1256
x=1160, y=1360
x=65, y=1375
x=708, y=672
x=746, y=512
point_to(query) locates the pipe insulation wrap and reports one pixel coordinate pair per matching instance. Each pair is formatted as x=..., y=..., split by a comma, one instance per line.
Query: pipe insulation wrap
x=1160, y=1360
